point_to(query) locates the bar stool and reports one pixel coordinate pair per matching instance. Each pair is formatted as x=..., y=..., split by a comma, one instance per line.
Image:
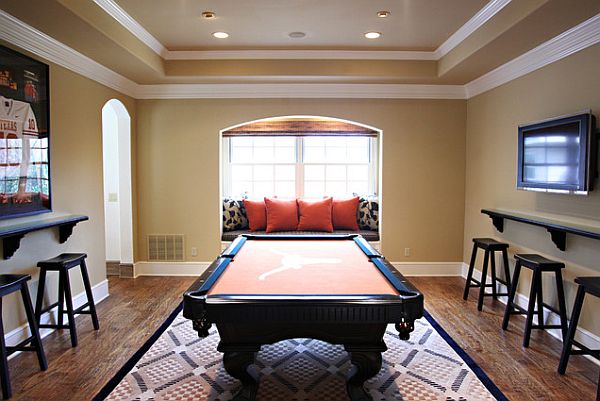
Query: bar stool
x=539, y=265
x=590, y=285
x=62, y=264
x=10, y=283
x=490, y=246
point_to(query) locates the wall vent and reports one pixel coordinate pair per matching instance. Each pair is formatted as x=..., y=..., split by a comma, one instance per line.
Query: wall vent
x=166, y=247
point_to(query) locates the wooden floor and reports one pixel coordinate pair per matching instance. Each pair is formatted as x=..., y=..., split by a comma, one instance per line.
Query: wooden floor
x=137, y=307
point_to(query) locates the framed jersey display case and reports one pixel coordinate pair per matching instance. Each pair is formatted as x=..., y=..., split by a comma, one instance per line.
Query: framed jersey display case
x=24, y=135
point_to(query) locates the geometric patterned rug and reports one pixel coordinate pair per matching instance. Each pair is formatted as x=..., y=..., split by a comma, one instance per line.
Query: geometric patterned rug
x=176, y=365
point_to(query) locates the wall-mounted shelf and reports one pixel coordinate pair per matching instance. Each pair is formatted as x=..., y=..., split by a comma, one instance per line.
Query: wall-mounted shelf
x=11, y=233
x=558, y=229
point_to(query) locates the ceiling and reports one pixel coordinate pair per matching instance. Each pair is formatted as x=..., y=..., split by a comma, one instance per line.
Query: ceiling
x=330, y=24
x=424, y=42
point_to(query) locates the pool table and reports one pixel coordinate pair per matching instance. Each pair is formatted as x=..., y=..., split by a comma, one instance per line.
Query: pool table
x=264, y=289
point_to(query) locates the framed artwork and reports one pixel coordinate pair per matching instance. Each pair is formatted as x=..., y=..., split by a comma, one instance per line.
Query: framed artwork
x=24, y=135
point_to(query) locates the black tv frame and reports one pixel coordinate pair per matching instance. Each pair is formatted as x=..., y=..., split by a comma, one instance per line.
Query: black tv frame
x=45, y=109
x=587, y=154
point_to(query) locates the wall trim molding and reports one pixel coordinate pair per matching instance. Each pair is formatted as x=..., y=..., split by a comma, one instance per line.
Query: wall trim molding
x=19, y=334
x=582, y=335
x=30, y=39
x=440, y=269
x=122, y=17
x=569, y=42
x=169, y=268
x=299, y=54
x=253, y=91
x=476, y=22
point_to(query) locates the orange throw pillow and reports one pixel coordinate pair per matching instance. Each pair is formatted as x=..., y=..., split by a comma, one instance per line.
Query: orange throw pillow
x=344, y=214
x=315, y=215
x=257, y=214
x=282, y=215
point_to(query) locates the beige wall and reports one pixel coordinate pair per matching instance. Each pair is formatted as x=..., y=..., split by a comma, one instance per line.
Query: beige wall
x=76, y=168
x=567, y=86
x=423, y=168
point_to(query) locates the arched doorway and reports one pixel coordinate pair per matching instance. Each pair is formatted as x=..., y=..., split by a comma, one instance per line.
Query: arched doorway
x=118, y=221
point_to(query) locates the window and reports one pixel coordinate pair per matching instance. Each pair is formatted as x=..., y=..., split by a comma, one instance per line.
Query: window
x=299, y=166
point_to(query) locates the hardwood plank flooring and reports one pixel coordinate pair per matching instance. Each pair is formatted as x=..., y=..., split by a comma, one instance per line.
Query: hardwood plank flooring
x=137, y=307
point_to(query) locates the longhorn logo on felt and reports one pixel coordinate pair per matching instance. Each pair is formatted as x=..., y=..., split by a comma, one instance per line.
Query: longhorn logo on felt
x=294, y=261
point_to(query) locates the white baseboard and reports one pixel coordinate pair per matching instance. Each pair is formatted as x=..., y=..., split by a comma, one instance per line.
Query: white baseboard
x=582, y=335
x=100, y=292
x=169, y=268
x=429, y=268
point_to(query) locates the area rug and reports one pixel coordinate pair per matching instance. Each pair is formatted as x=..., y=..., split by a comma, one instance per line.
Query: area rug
x=175, y=364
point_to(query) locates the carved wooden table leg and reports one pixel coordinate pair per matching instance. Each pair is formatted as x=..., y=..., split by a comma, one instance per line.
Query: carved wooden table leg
x=367, y=364
x=236, y=364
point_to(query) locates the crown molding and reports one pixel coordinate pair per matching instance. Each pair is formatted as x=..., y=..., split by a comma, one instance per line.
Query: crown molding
x=20, y=34
x=476, y=22
x=127, y=21
x=569, y=42
x=254, y=91
x=298, y=54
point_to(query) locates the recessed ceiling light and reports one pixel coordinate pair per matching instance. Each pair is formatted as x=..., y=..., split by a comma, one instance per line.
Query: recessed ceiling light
x=209, y=15
x=297, y=35
x=383, y=14
x=372, y=35
x=220, y=35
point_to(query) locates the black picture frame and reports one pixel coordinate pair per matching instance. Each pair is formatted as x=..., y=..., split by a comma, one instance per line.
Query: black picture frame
x=25, y=175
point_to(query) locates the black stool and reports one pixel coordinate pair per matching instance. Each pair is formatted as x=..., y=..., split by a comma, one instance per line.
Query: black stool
x=538, y=264
x=10, y=283
x=62, y=264
x=490, y=246
x=591, y=285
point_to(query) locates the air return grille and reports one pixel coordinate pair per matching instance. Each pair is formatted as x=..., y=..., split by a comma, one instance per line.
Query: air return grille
x=167, y=248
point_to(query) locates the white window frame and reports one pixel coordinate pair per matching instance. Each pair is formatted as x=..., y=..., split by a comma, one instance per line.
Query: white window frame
x=373, y=177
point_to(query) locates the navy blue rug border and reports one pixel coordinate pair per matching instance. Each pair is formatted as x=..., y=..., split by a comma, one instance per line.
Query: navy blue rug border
x=481, y=375
x=130, y=364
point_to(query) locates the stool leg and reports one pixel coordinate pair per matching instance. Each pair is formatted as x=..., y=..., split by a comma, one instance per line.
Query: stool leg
x=540, y=302
x=61, y=297
x=90, y=295
x=4, y=375
x=506, y=269
x=483, y=280
x=40, y=295
x=470, y=273
x=33, y=327
x=69, y=302
x=494, y=284
x=531, y=309
x=511, y=295
x=568, y=342
x=562, y=309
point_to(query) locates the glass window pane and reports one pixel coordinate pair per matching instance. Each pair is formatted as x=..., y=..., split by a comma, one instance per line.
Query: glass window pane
x=317, y=141
x=314, y=154
x=241, y=141
x=263, y=155
x=336, y=154
x=285, y=141
x=313, y=173
x=285, y=189
x=263, y=141
x=358, y=155
x=358, y=172
x=285, y=154
x=240, y=188
x=336, y=189
x=285, y=173
x=314, y=189
x=263, y=172
x=263, y=188
x=241, y=154
x=358, y=187
x=336, y=173
x=241, y=173
x=358, y=142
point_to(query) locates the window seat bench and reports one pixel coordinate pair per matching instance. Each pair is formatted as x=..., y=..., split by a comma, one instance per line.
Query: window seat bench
x=369, y=235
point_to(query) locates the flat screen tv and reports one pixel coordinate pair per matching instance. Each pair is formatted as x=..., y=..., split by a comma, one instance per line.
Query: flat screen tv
x=558, y=154
x=24, y=135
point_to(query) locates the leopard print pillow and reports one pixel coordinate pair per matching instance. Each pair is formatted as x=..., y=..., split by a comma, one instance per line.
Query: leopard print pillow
x=234, y=215
x=368, y=214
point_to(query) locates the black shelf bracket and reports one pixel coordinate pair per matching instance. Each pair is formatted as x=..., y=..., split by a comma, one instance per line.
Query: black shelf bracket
x=498, y=222
x=11, y=244
x=559, y=238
